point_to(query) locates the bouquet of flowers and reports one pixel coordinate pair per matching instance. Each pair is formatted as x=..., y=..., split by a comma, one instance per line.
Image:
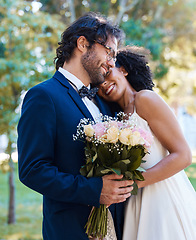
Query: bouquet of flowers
x=115, y=145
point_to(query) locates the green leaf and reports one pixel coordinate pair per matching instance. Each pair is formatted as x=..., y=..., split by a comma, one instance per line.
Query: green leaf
x=89, y=166
x=90, y=150
x=124, y=152
x=104, y=155
x=88, y=160
x=138, y=175
x=135, y=154
x=105, y=171
x=115, y=156
x=116, y=170
x=126, y=161
x=88, y=169
x=83, y=171
x=94, y=158
x=134, y=164
x=122, y=165
x=141, y=169
x=128, y=175
x=98, y=171
x=90, y=173
x=135, y=189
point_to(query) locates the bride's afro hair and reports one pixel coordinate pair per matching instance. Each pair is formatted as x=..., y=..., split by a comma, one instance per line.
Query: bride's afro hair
x=135, y=61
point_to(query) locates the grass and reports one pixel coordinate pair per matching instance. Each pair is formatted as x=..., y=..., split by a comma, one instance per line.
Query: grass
x=191, y=172
x=28, y=212
x=29, y=209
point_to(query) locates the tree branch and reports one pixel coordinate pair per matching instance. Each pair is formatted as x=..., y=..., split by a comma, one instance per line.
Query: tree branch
x=124, y=8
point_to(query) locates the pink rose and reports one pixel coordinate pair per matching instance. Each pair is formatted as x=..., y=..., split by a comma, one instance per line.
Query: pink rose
x=120, y=125
x=147, y=136
x=99, y=129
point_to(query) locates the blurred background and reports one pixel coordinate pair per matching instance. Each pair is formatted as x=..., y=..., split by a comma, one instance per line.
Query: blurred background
x=29, y=33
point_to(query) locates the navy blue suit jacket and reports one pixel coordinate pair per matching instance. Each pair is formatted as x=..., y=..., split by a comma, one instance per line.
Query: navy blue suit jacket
x=49, y=159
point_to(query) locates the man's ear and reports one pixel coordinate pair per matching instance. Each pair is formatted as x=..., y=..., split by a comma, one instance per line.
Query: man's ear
x=82, y=44
x=122, y=69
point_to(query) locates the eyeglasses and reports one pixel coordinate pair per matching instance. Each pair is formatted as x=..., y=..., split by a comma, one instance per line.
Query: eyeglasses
x=110, y=51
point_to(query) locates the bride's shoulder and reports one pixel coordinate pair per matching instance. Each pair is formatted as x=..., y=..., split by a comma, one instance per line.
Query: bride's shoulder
x=146, y=101
x=146, y=96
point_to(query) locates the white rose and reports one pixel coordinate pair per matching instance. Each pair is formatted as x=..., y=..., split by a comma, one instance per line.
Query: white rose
x=103, y=138
x=112, y=134
x=89, y=130
x=136, y=139
x=125, y=135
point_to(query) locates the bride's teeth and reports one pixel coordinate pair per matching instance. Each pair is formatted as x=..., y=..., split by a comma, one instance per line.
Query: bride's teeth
x=109, y=89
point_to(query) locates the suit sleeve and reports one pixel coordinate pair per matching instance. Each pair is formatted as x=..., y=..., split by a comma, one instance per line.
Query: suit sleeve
x=36, y=143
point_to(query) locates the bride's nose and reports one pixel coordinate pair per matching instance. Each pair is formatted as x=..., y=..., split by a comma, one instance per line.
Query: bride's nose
x=102, y=85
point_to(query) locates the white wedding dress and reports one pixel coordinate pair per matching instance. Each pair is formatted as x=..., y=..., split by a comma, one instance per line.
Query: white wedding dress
x=165, y=210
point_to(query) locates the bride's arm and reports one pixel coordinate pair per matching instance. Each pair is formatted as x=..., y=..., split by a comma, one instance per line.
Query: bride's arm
x=163, y=123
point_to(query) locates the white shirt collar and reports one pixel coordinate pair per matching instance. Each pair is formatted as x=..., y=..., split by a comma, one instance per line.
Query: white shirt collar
x=73, y=79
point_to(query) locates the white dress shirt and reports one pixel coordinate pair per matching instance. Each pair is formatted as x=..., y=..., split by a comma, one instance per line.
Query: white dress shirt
x=77, y=85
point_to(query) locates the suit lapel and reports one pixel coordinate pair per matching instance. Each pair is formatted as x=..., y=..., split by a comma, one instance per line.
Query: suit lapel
x=102, y=106
x=73, y=94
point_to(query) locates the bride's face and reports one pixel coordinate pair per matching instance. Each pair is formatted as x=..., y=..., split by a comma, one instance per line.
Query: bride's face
x=115, y=84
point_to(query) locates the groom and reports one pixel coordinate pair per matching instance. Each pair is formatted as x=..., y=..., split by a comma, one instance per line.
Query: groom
x=49, y=159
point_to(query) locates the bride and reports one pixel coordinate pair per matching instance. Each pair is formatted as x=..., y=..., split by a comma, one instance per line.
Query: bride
x=165, y=206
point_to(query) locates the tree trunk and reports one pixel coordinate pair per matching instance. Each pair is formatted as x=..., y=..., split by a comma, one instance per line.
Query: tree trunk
x=72, y=11
x=122, y=9
x=11, y=206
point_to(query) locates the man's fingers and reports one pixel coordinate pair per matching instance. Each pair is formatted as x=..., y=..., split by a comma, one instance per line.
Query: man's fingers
x=125, y=183
x=110, y=199
x=121, y=198
x=126, y=190
x=113, y=176
x=115, y=191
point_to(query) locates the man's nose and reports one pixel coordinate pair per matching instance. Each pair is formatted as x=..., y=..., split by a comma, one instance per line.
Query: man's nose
x=111, y=63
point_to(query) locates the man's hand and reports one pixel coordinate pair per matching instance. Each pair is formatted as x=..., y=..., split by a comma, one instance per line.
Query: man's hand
x=114, y=191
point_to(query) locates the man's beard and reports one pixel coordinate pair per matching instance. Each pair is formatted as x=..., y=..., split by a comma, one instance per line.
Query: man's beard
x=91, y=64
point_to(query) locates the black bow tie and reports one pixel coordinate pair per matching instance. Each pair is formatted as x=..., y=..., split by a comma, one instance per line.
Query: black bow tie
x=89, y=93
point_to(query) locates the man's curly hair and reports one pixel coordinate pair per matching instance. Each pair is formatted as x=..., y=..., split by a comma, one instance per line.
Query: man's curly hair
x=135, y=61
x=93, y=26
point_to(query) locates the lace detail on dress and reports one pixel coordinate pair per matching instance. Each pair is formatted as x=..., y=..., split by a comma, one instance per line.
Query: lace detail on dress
x=111, y=233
